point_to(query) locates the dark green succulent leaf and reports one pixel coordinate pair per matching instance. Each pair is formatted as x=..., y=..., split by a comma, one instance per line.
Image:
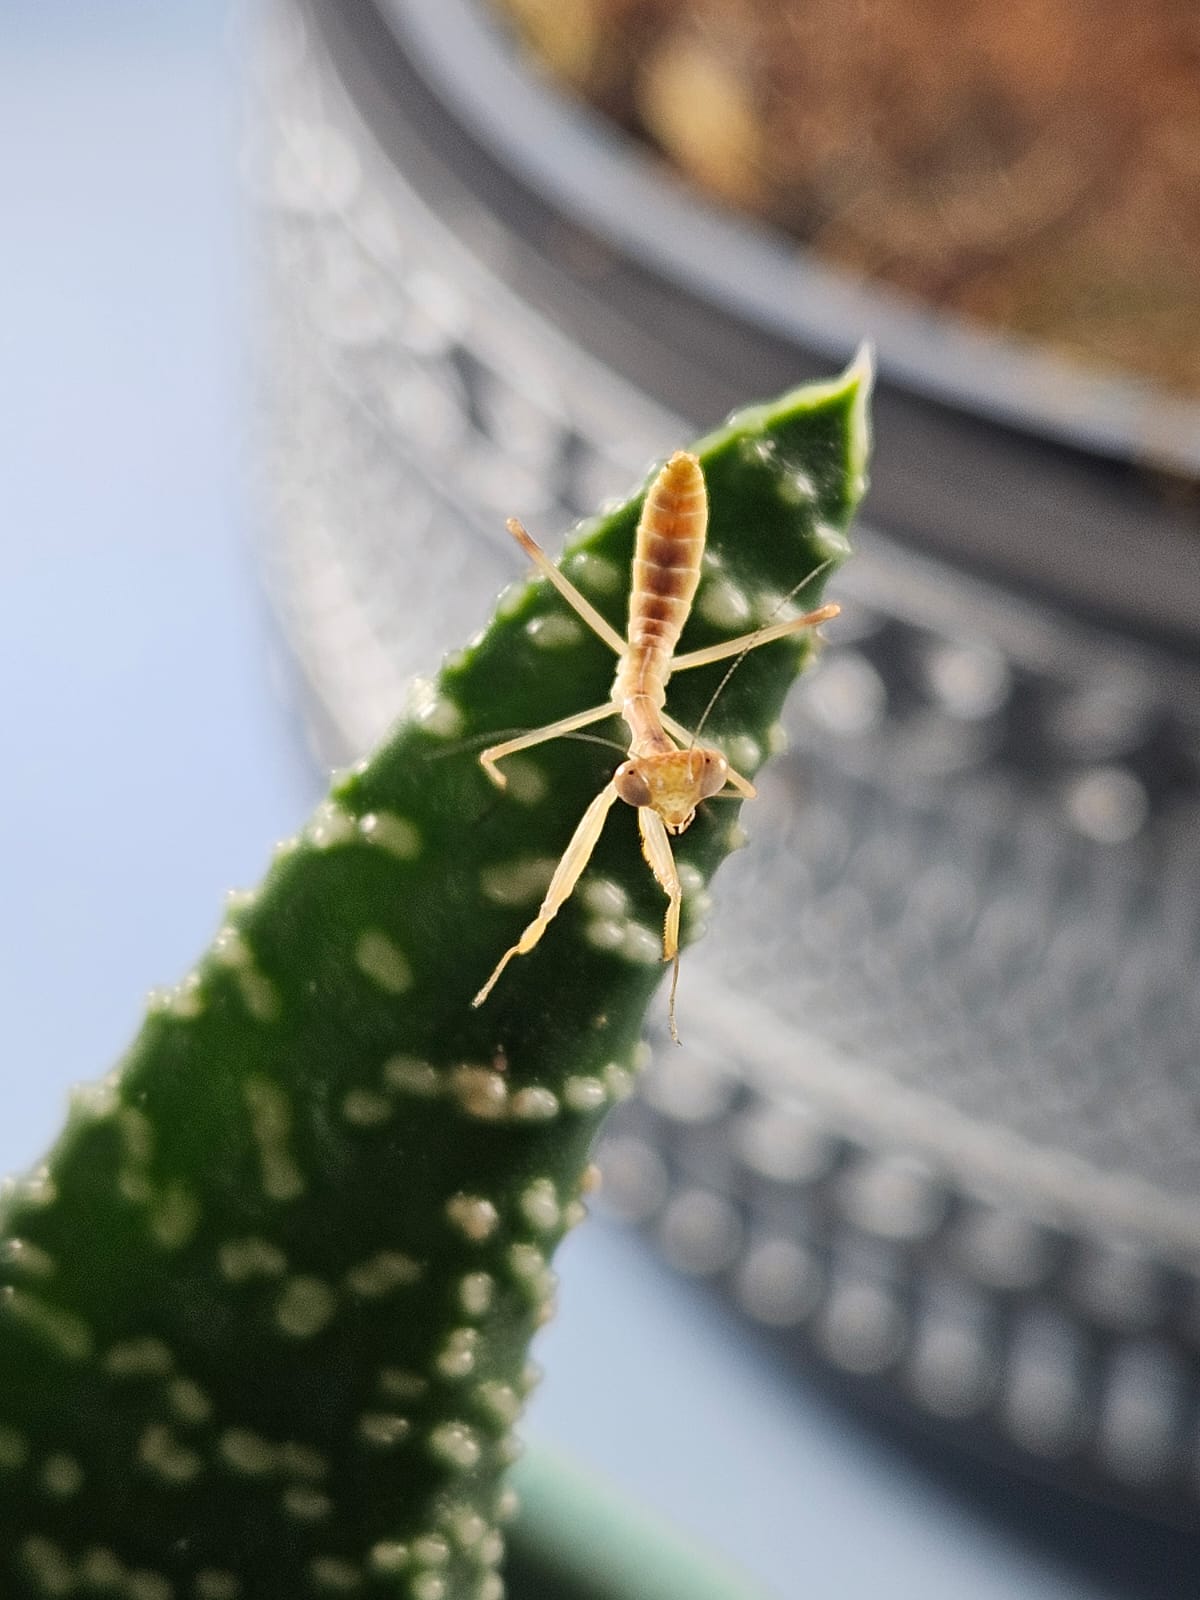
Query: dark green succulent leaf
x=265, y=1311
x=577, y=1539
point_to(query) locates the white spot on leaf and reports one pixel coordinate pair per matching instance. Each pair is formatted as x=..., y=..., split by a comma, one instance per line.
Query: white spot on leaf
x=381, y=959
x=534, y=1105
x=366, y=1108
x=723, y=604
x=434, y=711
x=394, y=834
x=383, y=1430
x=480, y=1092
x=502, y=1403
x=230, y=950
x=642, y=946
x=252, y=1257
x=538, y=1204
x=305, y=1503
x=456, y=1359
x=476, y=1292
x=382, y=1273
x=554, y=632
x=329, y=825
x=388, y=1556
x=474, y=1217
x=517, y=883
x=455, y=1444
x=62, y=1476
x=603, y=897
x=161, y=1453
x=271, y=1124
x=526, y=782
x=407, y=1075
x=584, y=1093
x=65, y=1333
x=305, y=1307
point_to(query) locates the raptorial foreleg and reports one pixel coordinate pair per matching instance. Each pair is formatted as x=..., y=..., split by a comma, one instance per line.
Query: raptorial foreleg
x=566, y=875
x=656, y=847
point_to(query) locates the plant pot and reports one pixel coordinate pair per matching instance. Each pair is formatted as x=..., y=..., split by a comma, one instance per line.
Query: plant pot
x=977, y=1186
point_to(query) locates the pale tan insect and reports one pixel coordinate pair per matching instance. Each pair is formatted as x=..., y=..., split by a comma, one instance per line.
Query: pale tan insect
x=667, y=774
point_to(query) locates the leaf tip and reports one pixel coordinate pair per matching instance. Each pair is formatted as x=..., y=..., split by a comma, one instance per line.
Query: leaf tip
x=859, y=377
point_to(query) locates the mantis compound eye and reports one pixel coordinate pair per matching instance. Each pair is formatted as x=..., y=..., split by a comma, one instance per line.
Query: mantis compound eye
x=714, y=774
x=631, y=785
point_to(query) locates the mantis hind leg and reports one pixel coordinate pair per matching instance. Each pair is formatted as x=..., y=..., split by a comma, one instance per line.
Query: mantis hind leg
x=582, y=608
x=751, y=641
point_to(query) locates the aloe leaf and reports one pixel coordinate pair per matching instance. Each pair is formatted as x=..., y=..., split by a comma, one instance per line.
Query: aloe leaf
x=577, y=1539
x=265, y=1310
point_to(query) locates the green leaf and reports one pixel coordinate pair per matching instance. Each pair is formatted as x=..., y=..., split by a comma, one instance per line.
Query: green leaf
x=265, y=1312
x=577, y=1539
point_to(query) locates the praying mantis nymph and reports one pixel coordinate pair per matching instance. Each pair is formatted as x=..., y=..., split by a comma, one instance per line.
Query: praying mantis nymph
x=667, y=773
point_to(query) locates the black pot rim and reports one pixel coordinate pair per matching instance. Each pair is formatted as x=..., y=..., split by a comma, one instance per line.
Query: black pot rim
x=605, y=180
x=1050, y=484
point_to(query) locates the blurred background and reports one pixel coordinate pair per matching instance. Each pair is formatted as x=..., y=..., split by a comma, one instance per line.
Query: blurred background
x=898, y=1277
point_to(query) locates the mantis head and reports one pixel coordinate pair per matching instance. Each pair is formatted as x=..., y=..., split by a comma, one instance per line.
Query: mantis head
x=672, y=783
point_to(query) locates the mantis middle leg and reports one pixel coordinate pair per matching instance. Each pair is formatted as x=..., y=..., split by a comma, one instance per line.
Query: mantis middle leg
x=552, y=730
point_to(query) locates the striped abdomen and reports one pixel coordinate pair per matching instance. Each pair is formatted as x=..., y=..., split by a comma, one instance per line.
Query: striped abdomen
x=666, y=572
